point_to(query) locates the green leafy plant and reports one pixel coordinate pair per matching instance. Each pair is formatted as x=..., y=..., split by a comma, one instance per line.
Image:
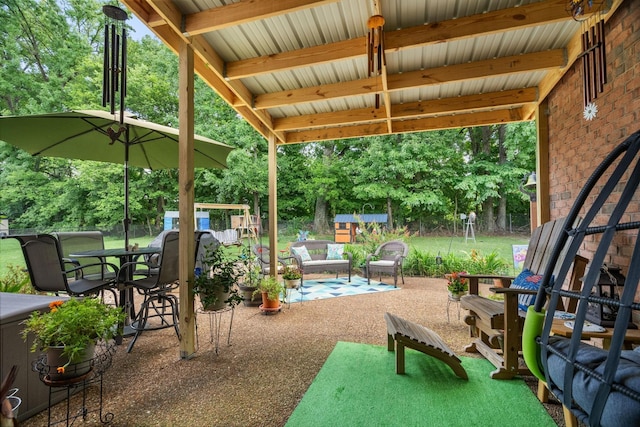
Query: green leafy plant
x=74, y=324
x=221, y=273
x=487, y=264
x=271, y=286
x=15, y=280
x=456, y=284
x=291, y=272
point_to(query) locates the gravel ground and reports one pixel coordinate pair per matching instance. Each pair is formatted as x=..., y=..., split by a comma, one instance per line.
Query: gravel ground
x=259, y=379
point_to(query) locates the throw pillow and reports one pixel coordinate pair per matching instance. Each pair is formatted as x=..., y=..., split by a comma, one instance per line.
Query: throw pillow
x=335, y=251
x=302, y=252
x=526, y=280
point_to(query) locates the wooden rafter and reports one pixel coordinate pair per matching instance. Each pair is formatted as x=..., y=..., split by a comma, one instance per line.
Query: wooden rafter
x=257, y=108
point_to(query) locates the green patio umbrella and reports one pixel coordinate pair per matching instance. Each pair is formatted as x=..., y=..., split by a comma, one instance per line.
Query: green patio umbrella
x=98, y=135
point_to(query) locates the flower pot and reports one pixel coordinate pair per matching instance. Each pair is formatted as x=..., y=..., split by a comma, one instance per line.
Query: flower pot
x=269, y=303
x=220, y=297
x=76, y=368
x=455, y=296
x=247, y=295
x=292, y=283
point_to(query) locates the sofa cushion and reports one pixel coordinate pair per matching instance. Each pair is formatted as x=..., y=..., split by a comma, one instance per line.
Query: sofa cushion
x=619, y=410
x=326, y=262
x=302, y=252
x=335, y=251
x=526, y=280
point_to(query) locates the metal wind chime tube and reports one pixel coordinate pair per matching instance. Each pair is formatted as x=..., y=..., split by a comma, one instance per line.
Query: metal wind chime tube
x=594, y=63
x=114, y=75
x=375, y=49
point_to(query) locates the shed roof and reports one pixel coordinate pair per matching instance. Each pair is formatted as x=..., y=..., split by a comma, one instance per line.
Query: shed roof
x=366, y=218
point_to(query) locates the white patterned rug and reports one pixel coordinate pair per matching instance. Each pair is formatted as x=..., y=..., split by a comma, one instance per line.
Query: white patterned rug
x=340, y=287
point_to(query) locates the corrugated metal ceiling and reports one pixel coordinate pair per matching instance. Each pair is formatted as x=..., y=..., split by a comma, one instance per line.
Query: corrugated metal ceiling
x=310, y=59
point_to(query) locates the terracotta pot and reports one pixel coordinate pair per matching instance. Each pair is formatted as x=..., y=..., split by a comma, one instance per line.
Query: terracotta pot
x=55, y=359
x=269, y=303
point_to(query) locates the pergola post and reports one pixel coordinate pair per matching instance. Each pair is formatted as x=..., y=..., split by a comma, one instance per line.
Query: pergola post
x=543, y=207
x=273, y=205
x=186, y=200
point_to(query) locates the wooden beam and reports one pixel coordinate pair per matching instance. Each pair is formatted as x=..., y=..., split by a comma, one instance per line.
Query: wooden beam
x=244, y=11
x=404, y=126
x=493, y=100
x=434, y=33
x=185, y=201
x=480, y=69
x=433, y=76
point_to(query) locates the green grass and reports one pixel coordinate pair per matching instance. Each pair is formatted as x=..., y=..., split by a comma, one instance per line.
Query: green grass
x=10, y=253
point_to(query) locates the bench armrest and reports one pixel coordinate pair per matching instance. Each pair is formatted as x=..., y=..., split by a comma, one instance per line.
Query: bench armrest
x=474, y=279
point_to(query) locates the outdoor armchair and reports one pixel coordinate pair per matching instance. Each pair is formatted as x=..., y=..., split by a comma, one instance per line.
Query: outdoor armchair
x=388, y=259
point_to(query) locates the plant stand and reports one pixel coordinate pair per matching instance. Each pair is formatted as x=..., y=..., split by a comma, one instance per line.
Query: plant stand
x=99, y=364
x=269, y=310
x=453, y=299
x=215, y=325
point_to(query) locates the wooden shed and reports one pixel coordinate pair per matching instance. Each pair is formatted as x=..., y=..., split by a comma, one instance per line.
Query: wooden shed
x=346, y=225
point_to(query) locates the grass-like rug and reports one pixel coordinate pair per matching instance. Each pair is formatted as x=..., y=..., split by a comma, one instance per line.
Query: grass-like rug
x=358, y=386
x=340, y=287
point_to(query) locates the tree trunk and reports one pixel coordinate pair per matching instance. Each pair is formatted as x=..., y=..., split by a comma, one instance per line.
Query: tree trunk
x=501, y=220
x=389, y=214
x=256, y=212
x=320, y=223
x=487, y=214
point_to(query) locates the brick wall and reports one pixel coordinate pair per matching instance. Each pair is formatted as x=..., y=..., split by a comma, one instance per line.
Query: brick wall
x=577, y=146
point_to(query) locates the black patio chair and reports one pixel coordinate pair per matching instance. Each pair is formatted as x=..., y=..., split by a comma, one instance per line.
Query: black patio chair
x=79, y=241
x=49, y=272
x=159, y=309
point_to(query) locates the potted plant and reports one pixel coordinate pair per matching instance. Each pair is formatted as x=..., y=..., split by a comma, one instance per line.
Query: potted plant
x=456, y=285
x=68, y=333
x=217, y=283
x=250, y=284
x=270, y=288
x=291, y=276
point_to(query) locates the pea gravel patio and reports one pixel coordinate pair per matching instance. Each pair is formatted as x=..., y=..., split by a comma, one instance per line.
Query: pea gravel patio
x=259, y=379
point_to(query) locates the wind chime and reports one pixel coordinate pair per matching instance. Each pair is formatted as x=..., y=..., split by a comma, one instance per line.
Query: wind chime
x=594, y=62
x=114, y=74
x=375, y=49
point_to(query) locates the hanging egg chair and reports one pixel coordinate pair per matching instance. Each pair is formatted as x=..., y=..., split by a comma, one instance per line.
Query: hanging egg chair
x=601, y=387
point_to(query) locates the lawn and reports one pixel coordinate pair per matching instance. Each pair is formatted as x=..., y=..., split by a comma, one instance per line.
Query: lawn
x=10, y=253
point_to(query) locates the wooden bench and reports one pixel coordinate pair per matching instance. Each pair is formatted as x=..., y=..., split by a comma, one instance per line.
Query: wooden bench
x=402, y=333
x=498, y=324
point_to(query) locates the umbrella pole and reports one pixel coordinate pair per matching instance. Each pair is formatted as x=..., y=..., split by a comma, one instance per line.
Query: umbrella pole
x=126, y=220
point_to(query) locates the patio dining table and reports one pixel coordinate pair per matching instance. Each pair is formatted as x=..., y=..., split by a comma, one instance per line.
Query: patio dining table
x=126, y=293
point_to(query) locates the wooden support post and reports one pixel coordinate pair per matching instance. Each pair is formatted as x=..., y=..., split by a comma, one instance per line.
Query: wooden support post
x=273, y=205
x=186, y=199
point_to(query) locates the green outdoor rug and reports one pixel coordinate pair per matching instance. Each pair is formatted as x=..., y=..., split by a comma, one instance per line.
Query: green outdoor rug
x=358, y=386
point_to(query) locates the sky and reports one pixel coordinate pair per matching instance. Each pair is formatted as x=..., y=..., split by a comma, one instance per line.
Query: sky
x=139, y=29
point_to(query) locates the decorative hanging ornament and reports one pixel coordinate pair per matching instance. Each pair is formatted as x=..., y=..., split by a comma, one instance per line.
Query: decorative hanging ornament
x=590, y=111
x=114, y=73
x=375, y=49
x=594, y=60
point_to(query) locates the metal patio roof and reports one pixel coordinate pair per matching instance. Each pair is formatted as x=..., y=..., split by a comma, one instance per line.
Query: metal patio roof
x=298, y=68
